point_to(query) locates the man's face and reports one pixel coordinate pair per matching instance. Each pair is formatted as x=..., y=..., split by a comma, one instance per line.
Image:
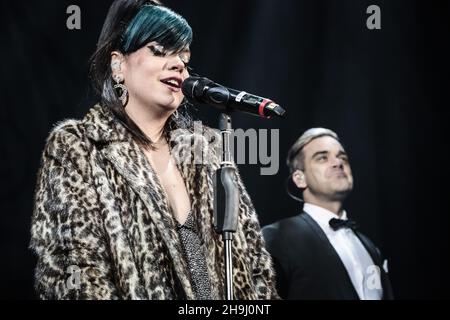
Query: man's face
x=327, y=173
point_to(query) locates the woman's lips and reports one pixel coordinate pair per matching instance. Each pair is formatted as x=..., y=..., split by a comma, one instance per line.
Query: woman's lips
x=174, y=83
x=172, y=88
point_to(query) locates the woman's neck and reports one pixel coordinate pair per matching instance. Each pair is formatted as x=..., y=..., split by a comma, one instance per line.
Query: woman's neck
x=150, y=121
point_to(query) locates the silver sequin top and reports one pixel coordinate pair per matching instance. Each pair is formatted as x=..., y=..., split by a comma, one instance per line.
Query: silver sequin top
x=195, y=258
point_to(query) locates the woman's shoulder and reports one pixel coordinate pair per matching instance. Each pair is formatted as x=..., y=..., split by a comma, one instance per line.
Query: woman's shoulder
x=65, y=150
x=68, y=143
x=65, y=135
x=81, y=134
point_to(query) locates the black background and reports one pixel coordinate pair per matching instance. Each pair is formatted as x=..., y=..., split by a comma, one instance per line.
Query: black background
x=383, y=91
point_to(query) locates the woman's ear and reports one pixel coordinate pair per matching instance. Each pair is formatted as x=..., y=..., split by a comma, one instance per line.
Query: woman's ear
x=298, y=177
x=117, y=61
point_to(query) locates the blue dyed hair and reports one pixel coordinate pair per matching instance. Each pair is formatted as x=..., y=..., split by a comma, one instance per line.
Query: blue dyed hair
x=160, y=24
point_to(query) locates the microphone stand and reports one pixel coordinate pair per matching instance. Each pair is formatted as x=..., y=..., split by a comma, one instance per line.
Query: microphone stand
x=226, y=200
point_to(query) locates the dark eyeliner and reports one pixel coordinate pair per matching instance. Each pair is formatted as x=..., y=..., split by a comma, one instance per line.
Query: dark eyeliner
x=155, y=51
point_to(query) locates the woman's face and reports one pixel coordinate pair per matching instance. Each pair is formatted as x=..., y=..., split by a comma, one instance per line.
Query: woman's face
x=154, y=77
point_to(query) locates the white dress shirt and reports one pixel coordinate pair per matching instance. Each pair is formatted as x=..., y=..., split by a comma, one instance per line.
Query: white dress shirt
x=364, y=274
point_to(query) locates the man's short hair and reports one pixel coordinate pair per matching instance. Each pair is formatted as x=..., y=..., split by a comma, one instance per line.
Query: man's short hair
x=295, y=158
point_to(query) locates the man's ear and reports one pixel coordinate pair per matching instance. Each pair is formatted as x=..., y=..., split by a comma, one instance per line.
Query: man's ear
x=298, y=177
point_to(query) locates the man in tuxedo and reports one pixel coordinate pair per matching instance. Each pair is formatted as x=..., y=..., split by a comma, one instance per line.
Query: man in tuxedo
x=320, y=254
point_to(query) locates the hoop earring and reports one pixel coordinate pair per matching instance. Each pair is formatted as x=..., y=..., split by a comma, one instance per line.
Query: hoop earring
x=123, y=93
x=176, y=115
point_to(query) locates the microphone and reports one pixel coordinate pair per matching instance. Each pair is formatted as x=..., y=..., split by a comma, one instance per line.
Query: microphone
x=203, y=90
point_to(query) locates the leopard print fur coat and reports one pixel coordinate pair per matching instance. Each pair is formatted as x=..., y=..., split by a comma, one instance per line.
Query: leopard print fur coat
x=102, y=229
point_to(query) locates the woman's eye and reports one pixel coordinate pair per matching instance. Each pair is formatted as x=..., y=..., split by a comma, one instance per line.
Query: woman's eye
x=157, y=50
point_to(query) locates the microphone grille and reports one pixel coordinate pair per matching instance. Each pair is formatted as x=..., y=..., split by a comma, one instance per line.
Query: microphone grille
x=193, y=87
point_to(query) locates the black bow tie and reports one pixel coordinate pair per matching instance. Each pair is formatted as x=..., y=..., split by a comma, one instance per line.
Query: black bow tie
x=337, y=224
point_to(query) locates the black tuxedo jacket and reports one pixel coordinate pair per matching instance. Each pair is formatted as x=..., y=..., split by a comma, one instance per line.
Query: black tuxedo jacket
x=307, y=265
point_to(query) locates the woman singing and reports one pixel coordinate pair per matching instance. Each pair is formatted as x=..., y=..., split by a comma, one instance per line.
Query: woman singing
x=116, y=216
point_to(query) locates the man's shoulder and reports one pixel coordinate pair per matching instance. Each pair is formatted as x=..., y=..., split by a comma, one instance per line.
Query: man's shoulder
x=288, y=221
x=286, y=227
